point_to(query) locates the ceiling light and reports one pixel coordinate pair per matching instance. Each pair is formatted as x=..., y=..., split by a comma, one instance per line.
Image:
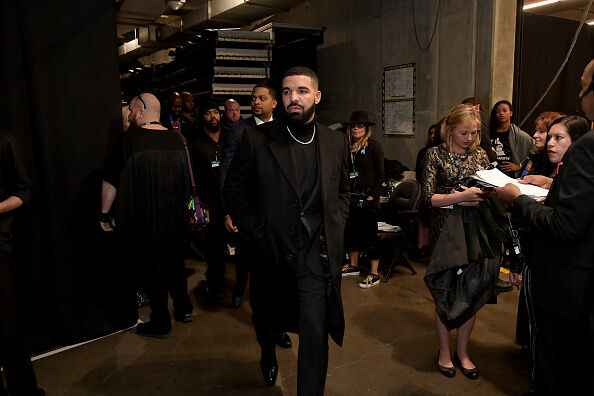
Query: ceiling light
x=539, y=3
x=175, y=4
x=590, y=22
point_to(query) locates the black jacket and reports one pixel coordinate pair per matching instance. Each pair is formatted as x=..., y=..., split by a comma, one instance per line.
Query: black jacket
x=369, y=164
x=261, y=195
x=563, y=235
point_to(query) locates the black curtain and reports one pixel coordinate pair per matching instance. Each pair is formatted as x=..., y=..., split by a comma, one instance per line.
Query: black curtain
x=59, y=84
x=544, y=44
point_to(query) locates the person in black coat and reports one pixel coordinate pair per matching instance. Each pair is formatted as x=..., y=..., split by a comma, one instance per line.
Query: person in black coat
x=15, y=191
x=287, y=190
x=366, y=175
x=563, y=265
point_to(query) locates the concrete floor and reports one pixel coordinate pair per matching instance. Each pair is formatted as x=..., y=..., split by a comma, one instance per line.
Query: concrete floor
x=390, y=348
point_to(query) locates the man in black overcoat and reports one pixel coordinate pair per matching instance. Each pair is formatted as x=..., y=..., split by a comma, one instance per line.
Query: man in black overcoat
x=563, y=265
x=287, y=191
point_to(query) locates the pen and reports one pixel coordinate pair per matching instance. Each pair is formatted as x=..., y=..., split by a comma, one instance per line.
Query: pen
x=524, y=173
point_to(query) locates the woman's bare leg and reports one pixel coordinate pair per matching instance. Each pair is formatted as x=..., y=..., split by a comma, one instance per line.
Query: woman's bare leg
x=374, y=265
x=354, y=257
x=445, y=358
x=463, y=337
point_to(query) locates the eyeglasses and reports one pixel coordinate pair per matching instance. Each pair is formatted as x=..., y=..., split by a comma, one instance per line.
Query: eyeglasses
x=587, y=91
x=358, y=125
x=140, y=98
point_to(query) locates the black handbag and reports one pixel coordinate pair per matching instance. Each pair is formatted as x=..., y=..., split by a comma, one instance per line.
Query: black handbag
x=199, y=214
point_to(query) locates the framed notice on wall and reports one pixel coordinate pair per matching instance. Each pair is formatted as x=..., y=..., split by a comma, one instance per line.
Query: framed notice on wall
x=398, y=100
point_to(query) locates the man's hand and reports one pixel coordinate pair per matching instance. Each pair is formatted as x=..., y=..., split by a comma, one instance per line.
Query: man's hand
x=514, y=279
x=538, y=180
x=508, y=193
x=369, y=198
x=229, y=225
x=107, y=222
x=508, y=166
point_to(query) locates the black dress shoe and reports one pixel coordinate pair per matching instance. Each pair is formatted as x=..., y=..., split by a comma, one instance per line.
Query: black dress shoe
x=449, y=372
x=184, y=318
x=284, y=341
x=236, y=301
x=150, y=329
x=472, y=374
x=269, y=371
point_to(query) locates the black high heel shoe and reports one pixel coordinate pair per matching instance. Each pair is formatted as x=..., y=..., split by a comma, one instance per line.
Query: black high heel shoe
x=449, y=372
x=472, y=374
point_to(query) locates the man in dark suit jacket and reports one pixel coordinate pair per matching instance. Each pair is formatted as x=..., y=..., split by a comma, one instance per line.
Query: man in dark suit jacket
x=263, y=103
x=287, y=191
x=563, y=265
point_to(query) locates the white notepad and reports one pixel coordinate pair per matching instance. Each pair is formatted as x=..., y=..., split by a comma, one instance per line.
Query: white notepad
x=496, y=178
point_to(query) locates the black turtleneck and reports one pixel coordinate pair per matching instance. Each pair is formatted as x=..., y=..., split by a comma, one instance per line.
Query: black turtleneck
x=305, y=157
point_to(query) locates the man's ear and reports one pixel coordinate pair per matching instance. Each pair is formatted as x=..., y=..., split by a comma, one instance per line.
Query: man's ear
x=318, y=97
x=274, y=102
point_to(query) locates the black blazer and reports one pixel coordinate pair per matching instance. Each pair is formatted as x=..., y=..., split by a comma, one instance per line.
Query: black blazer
x=261, y=195
x=369, y=163
x=563, y=235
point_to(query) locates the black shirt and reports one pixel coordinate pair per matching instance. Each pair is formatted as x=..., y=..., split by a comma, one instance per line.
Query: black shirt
x=503, y=150
x=206, y=159
x=149, y=169
x=14, y=181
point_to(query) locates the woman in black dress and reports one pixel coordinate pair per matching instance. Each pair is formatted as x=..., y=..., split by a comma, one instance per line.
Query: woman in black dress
x=463, y=267
x=366, y=175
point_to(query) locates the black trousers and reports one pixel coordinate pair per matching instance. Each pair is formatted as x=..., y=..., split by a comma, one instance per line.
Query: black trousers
x=563, y=354
x=361, y=230
x=243, y=255
x=16, y=363
x=162, y=270
x=313, y=333
x=212, y=243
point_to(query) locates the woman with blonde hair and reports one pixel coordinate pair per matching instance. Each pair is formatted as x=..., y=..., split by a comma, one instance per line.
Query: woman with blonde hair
x=366, y=175
x=462, y=270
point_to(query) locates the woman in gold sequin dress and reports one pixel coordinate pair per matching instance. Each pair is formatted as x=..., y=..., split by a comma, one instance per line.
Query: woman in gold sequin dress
x=461, y=273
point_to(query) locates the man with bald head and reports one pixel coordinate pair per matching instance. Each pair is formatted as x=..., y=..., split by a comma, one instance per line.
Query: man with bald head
x=562, y=264
x=148, y=170
x=232, y=113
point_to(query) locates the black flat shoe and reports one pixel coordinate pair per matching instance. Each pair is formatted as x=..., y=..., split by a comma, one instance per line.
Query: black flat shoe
x=284, y=341
x=449, y=372
x=269, y=371
x=472, y=374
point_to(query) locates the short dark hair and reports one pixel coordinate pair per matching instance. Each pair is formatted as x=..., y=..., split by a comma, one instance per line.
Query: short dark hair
x=473, y=101
x=266, y=84
x=303, y=71
x=576, y=126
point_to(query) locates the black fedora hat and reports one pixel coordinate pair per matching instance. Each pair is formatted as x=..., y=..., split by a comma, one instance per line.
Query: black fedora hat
x=359, y=117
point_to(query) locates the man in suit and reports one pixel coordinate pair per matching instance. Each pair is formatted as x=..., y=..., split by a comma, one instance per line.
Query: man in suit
x=287, y=191
x=562, y=265
x=173, y=119
x=263, y=103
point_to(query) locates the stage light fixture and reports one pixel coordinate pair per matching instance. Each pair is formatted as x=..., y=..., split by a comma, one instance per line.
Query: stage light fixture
x=175, y=4
x=539, y=3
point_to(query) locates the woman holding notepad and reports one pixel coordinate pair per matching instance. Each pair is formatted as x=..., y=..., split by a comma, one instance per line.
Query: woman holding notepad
x=462, y=270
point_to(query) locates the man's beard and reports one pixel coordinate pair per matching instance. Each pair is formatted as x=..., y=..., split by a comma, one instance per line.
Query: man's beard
x=304, y=116
x=213, y=127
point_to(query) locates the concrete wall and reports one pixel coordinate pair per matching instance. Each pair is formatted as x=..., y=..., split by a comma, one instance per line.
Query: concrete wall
x=363, y=37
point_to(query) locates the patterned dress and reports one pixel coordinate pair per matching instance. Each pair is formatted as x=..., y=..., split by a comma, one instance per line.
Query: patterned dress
x=462, y=271
x=443, y=170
